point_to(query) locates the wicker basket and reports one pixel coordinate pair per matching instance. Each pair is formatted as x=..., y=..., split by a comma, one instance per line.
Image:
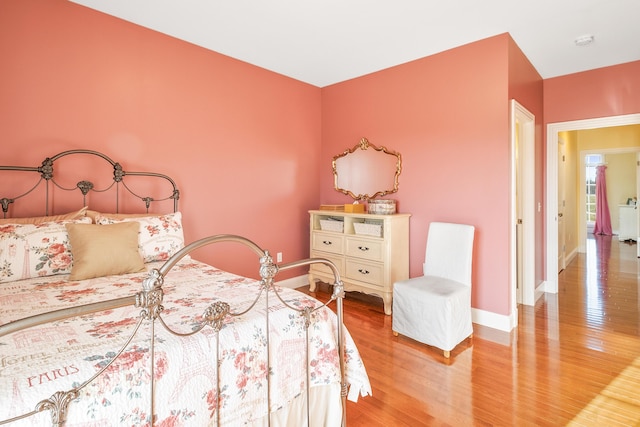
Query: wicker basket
x=331, y=225
x=368, y=229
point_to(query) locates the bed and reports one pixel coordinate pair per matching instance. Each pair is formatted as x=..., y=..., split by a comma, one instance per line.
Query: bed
x=107, y=319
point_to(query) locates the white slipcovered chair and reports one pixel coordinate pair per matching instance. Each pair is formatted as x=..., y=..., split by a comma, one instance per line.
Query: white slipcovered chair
x=435, y=308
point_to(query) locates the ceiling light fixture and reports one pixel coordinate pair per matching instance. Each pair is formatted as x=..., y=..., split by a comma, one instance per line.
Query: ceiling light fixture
x=585, y=40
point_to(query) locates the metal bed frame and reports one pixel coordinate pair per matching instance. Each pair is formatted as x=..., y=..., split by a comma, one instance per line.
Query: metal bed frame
x=46, y=172
x=149, y=299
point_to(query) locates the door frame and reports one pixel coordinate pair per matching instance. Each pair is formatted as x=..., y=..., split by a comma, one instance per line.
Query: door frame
x=527, y=156
x=562, y=238
x=551, y=222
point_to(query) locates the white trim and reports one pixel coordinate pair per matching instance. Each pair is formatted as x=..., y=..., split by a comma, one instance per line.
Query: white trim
x=543, y=286
x=527, y=147
x=552, y=184
x=571, y=256
x=480, y=317
x=494, y=320
x=294, y=282
x=540, y=290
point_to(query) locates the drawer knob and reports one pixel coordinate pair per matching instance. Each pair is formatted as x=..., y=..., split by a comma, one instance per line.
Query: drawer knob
x=327, y=242
x=363, y=271
x=363, y=248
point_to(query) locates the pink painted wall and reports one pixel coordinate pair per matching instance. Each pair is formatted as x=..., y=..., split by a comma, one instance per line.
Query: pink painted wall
x=604, y=92
x=251, y=150
x=448, y=115
x=242, y=143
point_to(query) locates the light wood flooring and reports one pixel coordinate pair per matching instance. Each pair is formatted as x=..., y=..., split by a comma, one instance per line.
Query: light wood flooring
x=572, y=354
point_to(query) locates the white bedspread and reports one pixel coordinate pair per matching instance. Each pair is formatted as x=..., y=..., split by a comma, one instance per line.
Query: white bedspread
x=37, y=362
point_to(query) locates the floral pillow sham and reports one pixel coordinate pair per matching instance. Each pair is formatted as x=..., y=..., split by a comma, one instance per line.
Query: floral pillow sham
x=35, y=250
x=159, y=236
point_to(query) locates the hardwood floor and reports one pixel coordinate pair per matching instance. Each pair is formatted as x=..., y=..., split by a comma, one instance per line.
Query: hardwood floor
x=565, y=352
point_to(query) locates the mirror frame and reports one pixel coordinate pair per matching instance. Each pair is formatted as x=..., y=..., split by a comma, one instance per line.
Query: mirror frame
x=364, y=144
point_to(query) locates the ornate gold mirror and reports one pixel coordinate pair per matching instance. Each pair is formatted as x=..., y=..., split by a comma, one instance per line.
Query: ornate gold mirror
x=366, y=171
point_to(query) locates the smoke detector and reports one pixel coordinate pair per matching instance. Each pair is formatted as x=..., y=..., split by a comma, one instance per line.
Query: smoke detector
x=585, y=40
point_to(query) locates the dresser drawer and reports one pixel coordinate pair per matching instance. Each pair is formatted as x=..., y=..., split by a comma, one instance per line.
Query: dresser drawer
x=327, y=242
x=323, y=268
x=364, y=248
x=369, y=272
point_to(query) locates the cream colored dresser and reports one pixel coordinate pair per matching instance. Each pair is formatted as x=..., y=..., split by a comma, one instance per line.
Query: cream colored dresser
x=370, y=251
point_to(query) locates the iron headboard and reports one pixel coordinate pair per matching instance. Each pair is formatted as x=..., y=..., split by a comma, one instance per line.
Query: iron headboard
x=85, y=186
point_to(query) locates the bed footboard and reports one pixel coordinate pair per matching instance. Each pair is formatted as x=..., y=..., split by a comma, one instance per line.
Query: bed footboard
x=151, y=299
x=219, y=315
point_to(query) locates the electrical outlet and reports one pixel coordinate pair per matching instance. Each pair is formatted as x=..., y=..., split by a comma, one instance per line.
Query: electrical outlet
x=279, y=257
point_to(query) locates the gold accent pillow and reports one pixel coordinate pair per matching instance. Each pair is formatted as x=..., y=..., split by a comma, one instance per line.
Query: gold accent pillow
x=104, y=250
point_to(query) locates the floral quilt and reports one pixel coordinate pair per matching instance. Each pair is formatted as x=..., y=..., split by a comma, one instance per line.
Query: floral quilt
x=37, y=362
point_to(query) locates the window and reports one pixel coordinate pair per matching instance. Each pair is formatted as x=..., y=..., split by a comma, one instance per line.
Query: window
x=591, y=161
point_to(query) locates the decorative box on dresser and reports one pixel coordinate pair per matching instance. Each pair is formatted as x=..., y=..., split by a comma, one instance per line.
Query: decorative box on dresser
x=369, y=262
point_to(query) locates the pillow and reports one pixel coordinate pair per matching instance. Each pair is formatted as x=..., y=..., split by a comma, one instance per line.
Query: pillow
x=40, y=219
x=94, y=215
x=104, y=250
x=159, y=236
x=35, y=250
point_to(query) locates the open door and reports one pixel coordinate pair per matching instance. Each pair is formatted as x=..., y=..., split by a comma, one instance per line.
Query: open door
x=522, y=208
x=562, y=257
x=637, y=205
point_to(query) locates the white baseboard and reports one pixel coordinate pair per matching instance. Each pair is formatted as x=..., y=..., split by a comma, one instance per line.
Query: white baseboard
x=294, y=282
x=481, y=317
x=545, y=287
x=500, y=322
x=571, y=256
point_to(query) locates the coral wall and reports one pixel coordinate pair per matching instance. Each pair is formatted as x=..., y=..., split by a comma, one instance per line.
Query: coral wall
x=251, y=150
x=604, y=92
x=242, y=143
x=448, y=115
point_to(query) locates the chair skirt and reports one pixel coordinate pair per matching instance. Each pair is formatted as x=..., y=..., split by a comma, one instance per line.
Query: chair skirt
x=432, y=310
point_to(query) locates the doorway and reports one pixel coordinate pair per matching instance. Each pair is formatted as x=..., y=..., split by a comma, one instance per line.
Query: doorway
x=562, y=247
x=552, y=208
x=522, y=208
x=596, y=157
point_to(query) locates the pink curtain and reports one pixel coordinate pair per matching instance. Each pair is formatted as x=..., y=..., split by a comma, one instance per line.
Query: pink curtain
x=603, y=217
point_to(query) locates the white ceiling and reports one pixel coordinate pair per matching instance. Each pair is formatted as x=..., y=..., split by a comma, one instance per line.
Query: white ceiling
x=322, y=42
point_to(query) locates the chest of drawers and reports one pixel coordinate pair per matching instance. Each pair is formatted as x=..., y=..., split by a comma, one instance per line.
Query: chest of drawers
x=628, y=228
x=368, y=263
